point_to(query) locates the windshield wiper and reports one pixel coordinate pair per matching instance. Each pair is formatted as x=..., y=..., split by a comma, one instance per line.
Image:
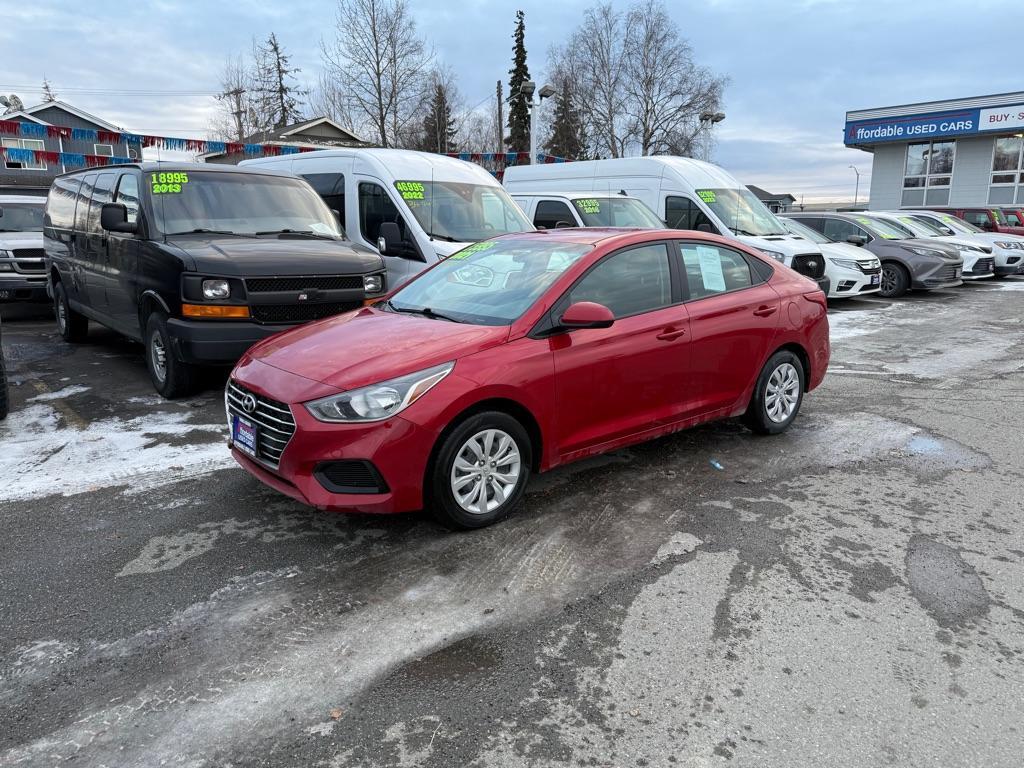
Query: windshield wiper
x=307, y=232
x=204, y=231
x=425, y=311
x=447, y=238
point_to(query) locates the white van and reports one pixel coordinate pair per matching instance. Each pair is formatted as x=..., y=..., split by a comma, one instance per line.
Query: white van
x=414, y=208
x=585, y=209
x=686, y=193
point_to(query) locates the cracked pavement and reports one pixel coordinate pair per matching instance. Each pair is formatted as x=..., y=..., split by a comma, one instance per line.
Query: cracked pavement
x=848, y=593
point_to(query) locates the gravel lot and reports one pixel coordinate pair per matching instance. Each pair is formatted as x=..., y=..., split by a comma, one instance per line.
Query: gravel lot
x=849, y=593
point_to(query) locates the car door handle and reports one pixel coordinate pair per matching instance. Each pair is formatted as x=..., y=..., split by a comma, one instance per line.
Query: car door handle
x=764, y=310
x=671, y=334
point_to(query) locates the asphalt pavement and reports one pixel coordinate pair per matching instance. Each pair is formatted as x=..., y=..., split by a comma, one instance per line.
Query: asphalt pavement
x=848, y=593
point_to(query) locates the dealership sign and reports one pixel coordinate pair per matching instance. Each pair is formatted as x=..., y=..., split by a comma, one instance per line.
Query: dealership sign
x=961, y=122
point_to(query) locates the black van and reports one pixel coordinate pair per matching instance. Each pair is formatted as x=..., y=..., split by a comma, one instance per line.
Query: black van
x=198, y=262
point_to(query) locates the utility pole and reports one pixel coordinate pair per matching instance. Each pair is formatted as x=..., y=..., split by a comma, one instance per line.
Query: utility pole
x=238, y=111
x=856, y=187
x=501, y=120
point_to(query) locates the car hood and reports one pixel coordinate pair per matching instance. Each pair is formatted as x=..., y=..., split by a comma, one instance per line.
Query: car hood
x=10, y=241
x=444, y=249
x=367, y=346
x=788, y=245
x=262, y=256
x=846, y=251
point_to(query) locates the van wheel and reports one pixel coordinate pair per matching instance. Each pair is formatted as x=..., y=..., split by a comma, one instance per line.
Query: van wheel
x=481, y=471
x=895, y=280
x=171, y=377
x=73, y=327
x=3, y=387
x=777, y=396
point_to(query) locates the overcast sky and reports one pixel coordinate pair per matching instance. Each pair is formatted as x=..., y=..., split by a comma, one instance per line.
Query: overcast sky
x=795, y=67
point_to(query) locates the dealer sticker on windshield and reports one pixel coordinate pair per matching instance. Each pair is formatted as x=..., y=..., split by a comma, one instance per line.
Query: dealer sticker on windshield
x=170, y=182
x=475, y=248
x=410, y=190
x=707, y=195
x=589, y=205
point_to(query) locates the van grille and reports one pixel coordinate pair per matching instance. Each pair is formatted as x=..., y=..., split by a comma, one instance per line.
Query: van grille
x=809, y=264
x=300, y=313
x=317, y=282
x=274, y=420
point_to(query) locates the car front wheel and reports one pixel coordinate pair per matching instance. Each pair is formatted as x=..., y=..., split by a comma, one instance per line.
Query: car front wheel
x=894, y=281
x=481, y=471
x=777, y=395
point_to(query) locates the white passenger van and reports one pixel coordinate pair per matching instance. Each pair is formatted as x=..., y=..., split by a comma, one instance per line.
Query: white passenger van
x=686, y=193
x=414, y=208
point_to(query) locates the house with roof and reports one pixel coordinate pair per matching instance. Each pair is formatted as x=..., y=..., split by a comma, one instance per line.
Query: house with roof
x=316, y=133
x=774, y=203
x=22, y=177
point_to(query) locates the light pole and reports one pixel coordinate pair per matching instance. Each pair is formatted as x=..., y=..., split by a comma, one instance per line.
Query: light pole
x=708, y=119
x=526, y=91
x=856, y=187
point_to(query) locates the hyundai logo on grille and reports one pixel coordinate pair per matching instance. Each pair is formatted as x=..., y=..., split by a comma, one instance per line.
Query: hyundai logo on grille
x=249, y=403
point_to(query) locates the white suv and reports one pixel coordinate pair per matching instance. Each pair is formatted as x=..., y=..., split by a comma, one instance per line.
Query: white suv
x=851, y=271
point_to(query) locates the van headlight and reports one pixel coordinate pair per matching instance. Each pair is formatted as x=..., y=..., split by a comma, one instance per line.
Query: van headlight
x=774, y=255
x=373, y=283
x=378, y=401
x=216, y=289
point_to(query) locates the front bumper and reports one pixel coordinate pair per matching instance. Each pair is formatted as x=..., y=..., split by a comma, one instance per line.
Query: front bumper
x=978, y=268
x=846, y=282
x=944, y=274
x=216, y=342
x=15, y=287
x=1009, y=262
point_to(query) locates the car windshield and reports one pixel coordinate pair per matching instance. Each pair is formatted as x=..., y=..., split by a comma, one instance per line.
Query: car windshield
x=921, y=226
x=489, y=283
x=883, y=229
x=742, y=212
x=907, y=230
x=237, y=203
x=959, y=225
x=796, y=228
x=21, y=218
x=616, y=212
x=464, y=213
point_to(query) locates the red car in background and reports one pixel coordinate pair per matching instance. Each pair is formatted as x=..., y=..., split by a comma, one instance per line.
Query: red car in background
x=989, y=219
x=1014, y=216
x=519, y=354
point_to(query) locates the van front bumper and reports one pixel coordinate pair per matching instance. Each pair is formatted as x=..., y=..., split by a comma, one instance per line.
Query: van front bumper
x=15, y=287
x=216, y=342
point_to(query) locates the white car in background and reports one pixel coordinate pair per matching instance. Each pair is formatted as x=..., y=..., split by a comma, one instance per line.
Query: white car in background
x=1007, y=250
x=979, y=263
x=851, y=271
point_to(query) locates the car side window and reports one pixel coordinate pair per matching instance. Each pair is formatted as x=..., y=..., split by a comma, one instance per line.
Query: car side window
x=551, y=213
x=128, y=196
x=977, y=218
x=840, y=229
x=711, y=269
x=684, y=213
x=375, y=207
x=83, y=198
x=628, y=282
x=331, y=187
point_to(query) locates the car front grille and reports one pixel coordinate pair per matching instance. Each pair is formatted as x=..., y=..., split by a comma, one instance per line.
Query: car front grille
x=300, y=313
x=313, y=282
x=809, y=264
x=350, y=476
x=946, y=273
x=870, y=266
x=274, y=421
x=29, y=261
x=982, y=267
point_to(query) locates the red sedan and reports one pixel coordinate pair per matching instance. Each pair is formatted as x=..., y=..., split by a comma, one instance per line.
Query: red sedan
x=519, y=354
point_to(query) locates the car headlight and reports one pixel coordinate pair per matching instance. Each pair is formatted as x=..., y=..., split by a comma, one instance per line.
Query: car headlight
x=216, y=289
x=848, y=263
x=373, y=283
x=378, y=401
x=927, y=252
x=964, y=248
x=1009, y=244
x=774, y=254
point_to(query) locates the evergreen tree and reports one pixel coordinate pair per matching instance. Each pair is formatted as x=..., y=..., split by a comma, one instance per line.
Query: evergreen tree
x=276, y=93
x=48, y=94
x=567, y=137
x=519, y=112
x=439, y=127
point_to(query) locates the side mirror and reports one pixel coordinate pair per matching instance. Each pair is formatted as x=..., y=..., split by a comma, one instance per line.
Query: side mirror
x=988, y=225
x=114, y=218
x=859, y=240
x=389, y=239
x=586, y=314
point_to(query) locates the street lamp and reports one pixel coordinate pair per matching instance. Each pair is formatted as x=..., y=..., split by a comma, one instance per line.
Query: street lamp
x=856, y=188
x=526, y=90
x=708, y=119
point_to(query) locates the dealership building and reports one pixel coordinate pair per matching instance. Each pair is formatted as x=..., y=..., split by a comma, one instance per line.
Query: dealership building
x=956, y=153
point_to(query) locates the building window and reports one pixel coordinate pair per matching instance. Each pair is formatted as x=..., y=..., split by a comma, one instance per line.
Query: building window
x=1007, y=181
x=36, y=144
x=928, y=173
x=103, y=150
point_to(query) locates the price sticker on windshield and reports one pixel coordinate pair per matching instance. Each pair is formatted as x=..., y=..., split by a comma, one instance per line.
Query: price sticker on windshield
x=707, y=195
x=589, y=205
x=870, y=225
x=475, y=248
x=171, y=182
x=410, y=190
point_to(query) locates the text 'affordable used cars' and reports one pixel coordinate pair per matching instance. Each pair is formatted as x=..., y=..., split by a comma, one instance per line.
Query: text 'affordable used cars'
x=518, y=354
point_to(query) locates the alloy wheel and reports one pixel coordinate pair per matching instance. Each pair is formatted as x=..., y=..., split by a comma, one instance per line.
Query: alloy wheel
x=62, y=315
x=486, y=471
x=158, y=356
x=890, y=279
x=782, y=393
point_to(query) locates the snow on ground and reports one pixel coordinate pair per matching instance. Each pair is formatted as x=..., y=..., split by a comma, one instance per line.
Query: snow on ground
x=42, y=455
x=60, y=394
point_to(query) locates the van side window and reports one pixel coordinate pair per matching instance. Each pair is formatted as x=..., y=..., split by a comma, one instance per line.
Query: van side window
x=61, y=205
x=128, y=196
x=683, y=213
x=711, y=269
x=102, y=193
x=375, y=207
x=550, y=213
x=331, y=187
x=83, y=197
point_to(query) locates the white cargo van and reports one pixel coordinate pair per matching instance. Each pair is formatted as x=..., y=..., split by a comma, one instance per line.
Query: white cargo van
x=686, y=193
x=585, y=209
x=413, y=208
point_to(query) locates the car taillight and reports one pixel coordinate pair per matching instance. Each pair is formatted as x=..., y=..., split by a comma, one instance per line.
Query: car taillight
x=817, y=297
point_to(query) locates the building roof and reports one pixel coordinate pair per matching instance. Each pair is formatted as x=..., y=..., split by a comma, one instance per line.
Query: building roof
x=763, y=195
x=297, y=134
x=926, y=107
x=28, y=111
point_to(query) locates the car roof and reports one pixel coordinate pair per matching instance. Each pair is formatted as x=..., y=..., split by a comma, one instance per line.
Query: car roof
x=604, y=235
x=164, y=165
x=31, y=199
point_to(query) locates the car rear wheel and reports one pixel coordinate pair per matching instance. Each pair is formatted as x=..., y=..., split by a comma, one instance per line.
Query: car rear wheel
x=895, y=280
x=73, y=327
x=171, y=377
x=777, y=395
x=481, y=471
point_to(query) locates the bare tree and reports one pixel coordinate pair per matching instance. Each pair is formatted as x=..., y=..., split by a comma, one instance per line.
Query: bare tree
x=327, y=99
x=233, y=119
x=381, y=62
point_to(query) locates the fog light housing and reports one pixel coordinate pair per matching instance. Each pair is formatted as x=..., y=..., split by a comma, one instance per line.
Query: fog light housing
x=6, y=267
x=216, y=289
x=373, y=283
